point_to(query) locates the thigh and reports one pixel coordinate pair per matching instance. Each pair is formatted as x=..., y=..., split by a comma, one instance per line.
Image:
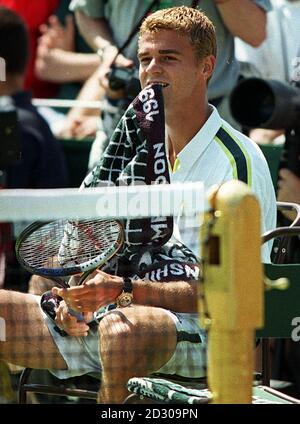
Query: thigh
x=38, y=285
x=28, y=341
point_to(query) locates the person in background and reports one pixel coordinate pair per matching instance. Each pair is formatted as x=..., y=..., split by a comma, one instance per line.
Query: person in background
x=42, y=162
x=278, y=57
x=288, y=187
x=64, y=58
x=34, y=13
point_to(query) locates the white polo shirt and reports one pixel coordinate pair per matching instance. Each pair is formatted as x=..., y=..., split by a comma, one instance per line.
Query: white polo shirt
x=219, y=153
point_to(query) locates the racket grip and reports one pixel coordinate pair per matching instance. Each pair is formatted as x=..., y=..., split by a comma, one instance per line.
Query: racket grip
x=49, y=303
x=77, y=315
x=60, y=281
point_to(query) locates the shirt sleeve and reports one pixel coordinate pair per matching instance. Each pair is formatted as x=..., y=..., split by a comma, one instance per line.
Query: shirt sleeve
x=92, y=8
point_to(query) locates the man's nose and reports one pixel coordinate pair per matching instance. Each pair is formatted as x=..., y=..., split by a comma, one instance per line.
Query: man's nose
x=154, y=67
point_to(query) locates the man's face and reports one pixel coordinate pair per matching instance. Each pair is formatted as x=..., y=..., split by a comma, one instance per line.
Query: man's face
x=168, y=58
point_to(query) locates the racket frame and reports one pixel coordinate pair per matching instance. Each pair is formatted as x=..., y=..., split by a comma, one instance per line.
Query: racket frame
x=67, y=271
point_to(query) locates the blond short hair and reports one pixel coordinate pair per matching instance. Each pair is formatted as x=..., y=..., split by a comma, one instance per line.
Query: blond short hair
x=188, y=22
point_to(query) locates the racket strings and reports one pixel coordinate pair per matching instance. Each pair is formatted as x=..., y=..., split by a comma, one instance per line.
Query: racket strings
x=84, y=240
x=62, y=244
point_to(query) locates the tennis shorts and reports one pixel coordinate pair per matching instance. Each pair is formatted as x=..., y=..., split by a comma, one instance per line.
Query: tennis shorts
x=82, y=356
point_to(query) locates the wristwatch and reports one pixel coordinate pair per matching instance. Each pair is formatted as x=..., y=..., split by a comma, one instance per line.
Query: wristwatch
x=126, y=297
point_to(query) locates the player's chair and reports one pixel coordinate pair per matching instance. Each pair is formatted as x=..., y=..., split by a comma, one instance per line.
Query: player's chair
x=281, y=307
x=276, y=274
x=64, y=388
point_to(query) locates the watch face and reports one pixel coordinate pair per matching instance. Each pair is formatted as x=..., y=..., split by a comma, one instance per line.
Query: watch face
x=125, y=299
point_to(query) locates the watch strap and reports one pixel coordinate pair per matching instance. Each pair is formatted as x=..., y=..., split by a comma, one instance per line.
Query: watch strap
x=127, y=285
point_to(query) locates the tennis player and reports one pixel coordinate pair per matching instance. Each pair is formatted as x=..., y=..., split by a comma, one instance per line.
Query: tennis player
x=157, y=329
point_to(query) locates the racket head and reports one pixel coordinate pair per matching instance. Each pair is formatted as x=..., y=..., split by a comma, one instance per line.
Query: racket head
x=67, y=247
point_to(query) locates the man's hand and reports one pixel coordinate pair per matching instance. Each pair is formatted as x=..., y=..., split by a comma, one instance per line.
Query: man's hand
x=56, y=36
x=67, y=322
x=288, y=187
x=288, y=190
x=265, y=136
x=97, y=291
x=109, y=55
x=79, y=127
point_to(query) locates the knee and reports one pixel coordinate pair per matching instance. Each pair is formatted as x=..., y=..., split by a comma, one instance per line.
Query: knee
x=114, y=328
x=115, y=338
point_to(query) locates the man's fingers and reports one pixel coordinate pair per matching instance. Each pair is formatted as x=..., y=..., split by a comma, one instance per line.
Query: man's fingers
x=54, y=22
x=43, y=28
x=70, y=27
x=69, y=323
x=88, y=316
x=58, y=292
x=285, y=173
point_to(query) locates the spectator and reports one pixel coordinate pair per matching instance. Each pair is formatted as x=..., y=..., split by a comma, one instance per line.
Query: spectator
x=42, y=163
x=34, y=15
x=278, y=57
x=64, y=58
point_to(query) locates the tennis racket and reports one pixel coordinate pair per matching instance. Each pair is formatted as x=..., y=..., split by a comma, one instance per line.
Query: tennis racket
x=65, y=247
x=60, y=248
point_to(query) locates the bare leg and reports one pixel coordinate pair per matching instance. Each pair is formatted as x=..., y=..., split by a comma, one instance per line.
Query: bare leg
x=134, y=342
x=28, y=341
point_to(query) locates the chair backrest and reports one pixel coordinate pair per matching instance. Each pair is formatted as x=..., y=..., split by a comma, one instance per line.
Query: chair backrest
x=272, y=153
x=281, y=305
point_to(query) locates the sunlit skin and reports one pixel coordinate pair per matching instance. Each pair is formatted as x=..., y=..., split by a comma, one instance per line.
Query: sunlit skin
x=168, y=58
